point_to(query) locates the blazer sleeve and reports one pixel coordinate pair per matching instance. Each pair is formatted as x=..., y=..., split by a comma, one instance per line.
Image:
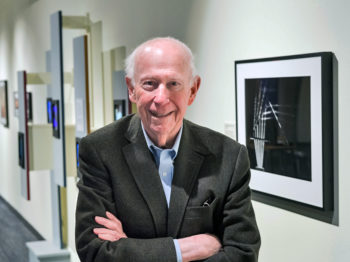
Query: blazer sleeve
x=240, y=239
x=94, y=199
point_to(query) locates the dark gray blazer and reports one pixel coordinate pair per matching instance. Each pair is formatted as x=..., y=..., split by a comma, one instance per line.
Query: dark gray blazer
x=119, y=175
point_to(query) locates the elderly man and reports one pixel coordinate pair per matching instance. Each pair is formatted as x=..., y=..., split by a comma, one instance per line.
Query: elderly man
x=156, y=187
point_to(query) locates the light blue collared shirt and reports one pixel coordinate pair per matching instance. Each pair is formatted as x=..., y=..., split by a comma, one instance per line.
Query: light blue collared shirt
x=164, y=160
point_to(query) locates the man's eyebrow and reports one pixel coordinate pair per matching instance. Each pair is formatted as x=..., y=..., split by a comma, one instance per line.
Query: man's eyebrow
x=145, y=78
x=156, y=78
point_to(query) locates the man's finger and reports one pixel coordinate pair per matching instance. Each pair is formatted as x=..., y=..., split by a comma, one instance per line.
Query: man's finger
x=112, y=217
x=107, y=237
x=108, y=223
x=104, y=231
x=118, y=235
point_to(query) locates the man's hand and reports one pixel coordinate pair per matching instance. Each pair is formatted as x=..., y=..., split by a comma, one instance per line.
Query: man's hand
x=199, y=247
x=193, y=248
x=112, y=230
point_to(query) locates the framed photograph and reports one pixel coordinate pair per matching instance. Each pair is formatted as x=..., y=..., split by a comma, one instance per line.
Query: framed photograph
x=29, y=107
x=284, y=117
x=4, y=115
x=49, y=110
x=16, y=103
x=21, y=151
x=119, y=109
x=55, y=119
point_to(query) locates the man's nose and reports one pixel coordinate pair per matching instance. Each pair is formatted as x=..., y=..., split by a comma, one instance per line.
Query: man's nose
x=161, y=95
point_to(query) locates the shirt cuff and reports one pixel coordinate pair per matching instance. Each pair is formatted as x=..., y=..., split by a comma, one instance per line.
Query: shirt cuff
x=178, y=251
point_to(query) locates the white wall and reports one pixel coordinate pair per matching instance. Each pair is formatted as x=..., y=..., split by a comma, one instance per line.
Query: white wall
x=219, y=32
x=223, y=31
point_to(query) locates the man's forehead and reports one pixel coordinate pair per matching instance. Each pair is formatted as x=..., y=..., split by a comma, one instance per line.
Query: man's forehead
x=162, y=47
x=153, y=49
x=161, y=57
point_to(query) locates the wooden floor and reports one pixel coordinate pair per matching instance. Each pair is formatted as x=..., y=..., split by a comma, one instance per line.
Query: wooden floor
x=14, y=233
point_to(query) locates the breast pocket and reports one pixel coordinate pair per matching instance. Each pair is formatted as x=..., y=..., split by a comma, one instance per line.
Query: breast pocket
x=198, y=220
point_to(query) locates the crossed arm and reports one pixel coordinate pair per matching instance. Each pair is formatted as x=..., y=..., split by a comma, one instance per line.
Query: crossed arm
x=102, y=238
x=192, y=248
x=239, y=236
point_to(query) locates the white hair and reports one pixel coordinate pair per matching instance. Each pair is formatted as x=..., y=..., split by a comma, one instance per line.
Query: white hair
x=130, y=60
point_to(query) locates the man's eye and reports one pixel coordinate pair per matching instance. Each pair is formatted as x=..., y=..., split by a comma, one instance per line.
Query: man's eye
x=149, y=84
x=174, y=85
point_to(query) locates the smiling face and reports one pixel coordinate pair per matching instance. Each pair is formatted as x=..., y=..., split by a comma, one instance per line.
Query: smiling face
x=162, y=89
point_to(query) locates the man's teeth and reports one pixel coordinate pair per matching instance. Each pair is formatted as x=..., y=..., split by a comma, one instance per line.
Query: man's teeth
x=160, y=115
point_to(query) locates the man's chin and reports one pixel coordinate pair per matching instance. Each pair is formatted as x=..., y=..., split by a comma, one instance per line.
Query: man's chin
x=161, y=120
x=160, y=130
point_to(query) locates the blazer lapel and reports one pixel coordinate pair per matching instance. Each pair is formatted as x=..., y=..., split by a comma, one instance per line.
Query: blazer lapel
x=186, y=168
x=144, y=171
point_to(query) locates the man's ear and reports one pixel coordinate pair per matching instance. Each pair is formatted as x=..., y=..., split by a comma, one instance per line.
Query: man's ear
x=194, y=89
x=131, y=89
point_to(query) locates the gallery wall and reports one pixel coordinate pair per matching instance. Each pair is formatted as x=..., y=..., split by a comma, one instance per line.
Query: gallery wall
x=223, y=31
x=219, y=32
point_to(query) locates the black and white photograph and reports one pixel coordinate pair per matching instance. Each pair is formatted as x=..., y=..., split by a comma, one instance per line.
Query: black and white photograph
x=284, y=117
x=278, y=134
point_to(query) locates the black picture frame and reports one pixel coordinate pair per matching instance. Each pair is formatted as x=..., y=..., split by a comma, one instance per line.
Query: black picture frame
x=119, y=110
x=4, y=111
x=49, y=110
x=286, y=117
x=55, y=119
x=29, y=107
x=21, y=150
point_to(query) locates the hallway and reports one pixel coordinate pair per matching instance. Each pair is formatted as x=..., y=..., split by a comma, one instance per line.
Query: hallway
x=14, y=233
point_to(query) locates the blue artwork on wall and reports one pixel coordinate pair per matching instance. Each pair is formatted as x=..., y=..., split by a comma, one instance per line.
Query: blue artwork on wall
x=55, y=119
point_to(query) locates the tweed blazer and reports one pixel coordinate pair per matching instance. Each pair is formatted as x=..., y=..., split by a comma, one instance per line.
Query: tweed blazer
x=209, y=194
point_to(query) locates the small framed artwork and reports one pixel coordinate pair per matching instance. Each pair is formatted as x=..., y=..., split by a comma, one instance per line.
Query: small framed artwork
x=55, y=119
x=21, y=152
x=77, y=142
x=29, y=107
x=119, y=109
x=4, y=116
x=16, y=103
x=284, y=117
x=49, y=110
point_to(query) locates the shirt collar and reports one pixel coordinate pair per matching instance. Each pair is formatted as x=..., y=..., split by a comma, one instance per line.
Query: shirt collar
x=150, y=144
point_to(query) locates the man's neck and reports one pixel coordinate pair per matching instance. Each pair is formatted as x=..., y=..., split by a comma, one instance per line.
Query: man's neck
x=163, y=141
